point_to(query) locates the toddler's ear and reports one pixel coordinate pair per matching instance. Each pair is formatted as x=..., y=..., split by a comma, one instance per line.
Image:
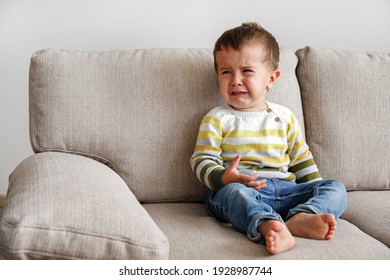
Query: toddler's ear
x=272, y=80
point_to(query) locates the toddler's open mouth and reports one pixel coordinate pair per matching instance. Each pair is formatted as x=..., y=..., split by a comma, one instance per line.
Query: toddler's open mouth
x=237, y=93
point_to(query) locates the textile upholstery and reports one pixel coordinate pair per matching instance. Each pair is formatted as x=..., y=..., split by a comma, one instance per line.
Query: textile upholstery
x=347, y=103
x=199, y=236
x=70, y=207
x=137, y=111
x=374, y=219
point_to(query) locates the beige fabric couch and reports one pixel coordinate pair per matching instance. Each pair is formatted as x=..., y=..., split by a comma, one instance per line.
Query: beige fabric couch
x=113, y=132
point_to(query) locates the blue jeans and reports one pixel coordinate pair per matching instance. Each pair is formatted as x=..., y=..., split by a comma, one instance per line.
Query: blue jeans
x=246, y=208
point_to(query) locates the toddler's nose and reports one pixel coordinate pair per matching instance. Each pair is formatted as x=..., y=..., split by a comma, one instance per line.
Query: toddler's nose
x=236, y=81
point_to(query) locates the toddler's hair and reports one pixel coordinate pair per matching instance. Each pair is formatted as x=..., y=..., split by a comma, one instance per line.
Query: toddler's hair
x=249, y=33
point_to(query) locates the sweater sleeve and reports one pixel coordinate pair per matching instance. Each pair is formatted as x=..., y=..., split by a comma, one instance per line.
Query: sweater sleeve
x=206, y=161
x=301, y=159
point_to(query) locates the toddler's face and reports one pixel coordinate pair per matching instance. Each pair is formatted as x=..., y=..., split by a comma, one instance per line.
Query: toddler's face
x=244, y=78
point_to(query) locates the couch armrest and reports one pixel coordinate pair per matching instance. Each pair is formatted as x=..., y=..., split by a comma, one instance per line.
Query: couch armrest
x=64, y=206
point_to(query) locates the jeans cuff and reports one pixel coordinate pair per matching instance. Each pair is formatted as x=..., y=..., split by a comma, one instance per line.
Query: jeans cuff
x=257, y=220
x=303, y=208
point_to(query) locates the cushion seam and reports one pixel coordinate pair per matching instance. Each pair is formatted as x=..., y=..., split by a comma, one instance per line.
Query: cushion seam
x=96, y=235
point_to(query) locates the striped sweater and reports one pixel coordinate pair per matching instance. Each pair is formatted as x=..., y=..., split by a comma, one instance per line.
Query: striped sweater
x=270, y=142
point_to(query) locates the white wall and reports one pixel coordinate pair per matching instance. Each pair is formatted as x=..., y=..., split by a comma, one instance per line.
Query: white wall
x=29, y=25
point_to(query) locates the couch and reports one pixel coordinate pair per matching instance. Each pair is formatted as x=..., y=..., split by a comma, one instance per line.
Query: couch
x=112, y=133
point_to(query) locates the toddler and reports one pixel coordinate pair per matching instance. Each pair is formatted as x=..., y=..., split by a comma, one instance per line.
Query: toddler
x=252, y=155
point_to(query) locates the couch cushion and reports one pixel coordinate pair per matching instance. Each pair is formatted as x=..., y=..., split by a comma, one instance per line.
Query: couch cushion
x=370, y=211
x=346, y=104
x=62, y=206
x=137, y=111
x=192, y=234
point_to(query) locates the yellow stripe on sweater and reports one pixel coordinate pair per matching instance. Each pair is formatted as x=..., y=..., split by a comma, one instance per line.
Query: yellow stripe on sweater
x=213, y=121
x=253, y=147
x=255, y=133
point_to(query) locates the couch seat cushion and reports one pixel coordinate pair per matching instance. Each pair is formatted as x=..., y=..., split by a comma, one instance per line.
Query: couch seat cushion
x=370, y=211
x=192, y=234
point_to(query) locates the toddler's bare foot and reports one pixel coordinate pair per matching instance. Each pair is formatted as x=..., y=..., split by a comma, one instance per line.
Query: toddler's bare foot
x=277, y=236
x=313, y=226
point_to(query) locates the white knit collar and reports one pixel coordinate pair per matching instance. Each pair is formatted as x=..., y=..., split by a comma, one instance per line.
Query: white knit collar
x=249, y=114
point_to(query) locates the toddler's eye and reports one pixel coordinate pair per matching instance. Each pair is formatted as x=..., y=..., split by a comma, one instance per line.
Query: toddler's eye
x=225, y=72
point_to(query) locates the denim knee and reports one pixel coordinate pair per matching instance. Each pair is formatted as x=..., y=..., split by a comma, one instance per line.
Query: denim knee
x=329, y=196
x=222, y=204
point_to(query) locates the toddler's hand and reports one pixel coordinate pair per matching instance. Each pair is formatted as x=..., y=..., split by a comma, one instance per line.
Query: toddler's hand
x=232, y=175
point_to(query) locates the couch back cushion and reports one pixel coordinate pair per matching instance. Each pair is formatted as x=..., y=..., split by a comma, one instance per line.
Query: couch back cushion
x=346, y=101
x=138, y=111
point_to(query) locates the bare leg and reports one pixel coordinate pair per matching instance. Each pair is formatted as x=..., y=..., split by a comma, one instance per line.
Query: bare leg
x=277, y=236
x=313, y=226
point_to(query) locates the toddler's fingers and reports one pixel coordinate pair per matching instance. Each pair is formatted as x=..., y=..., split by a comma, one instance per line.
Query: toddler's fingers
x=257, y=185
x=247, y=178
x=252, y=177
